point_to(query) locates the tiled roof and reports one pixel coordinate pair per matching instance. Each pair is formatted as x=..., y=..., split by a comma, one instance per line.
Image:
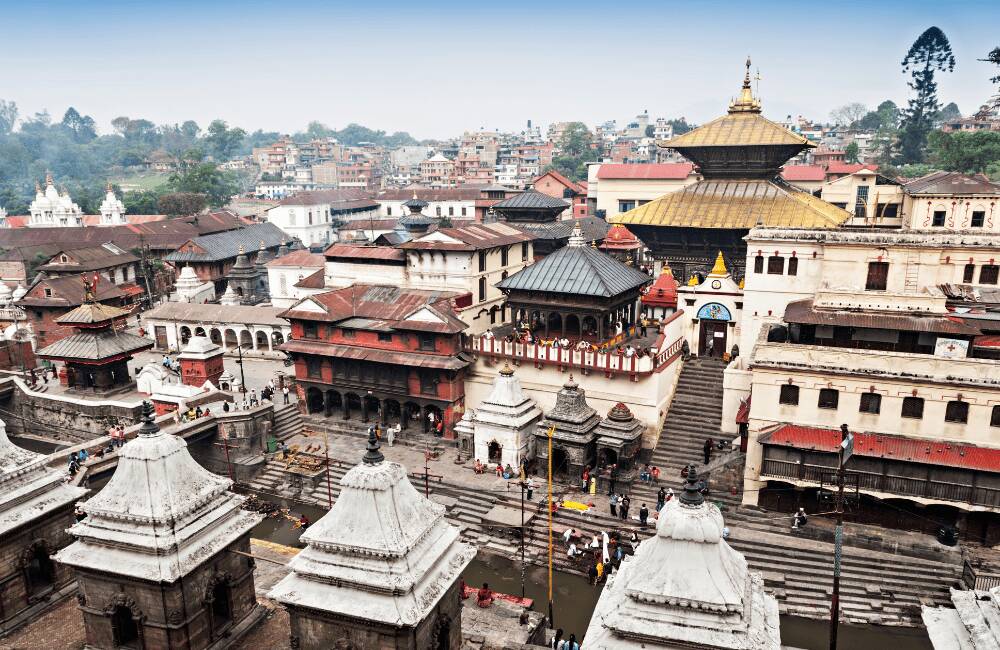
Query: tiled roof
x=67, y=291
x=952, y=183
x=594, y=228
x=319, y=197
x=225, y=245
x=348, y=251
x=848, y=168
x=298, y=258
x=207, y=313
x=412, y=359
x=738, y=129
x=89, y=259
x=645, y=171
x=802, y=311
x=531, y=200
x=385, y=307
x=579, y=270
x=876, y=445
x=158, y=235
x=312, y=281
x=476, y=236
x=803, y=173
x=737, y=204
x=562, y=180
x=93, y=346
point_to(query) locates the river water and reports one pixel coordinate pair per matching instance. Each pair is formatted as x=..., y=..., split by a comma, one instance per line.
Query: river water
x=574, y=598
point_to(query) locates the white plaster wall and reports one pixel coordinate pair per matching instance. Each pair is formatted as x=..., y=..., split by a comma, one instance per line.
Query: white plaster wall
x=612, y=190
x=736, y=382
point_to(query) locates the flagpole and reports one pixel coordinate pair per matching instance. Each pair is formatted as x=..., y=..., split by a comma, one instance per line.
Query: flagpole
x=551, y=432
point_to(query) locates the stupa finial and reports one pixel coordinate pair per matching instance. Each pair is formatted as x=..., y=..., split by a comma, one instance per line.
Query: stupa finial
x=691, y=495
x=149, y=426
x=373, y=454
x=506, y=371
x=720, y=266
x=746, y=102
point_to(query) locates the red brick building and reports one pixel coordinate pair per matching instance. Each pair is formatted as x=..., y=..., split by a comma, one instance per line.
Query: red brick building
x=373, y=352
x=50, y=298
x=558, y=186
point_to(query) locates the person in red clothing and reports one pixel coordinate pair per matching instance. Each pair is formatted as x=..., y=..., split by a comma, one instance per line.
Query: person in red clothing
x=484, y=598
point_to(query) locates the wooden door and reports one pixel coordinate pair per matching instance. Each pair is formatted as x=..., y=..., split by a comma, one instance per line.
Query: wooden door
x=161, y=337
x=715, y=331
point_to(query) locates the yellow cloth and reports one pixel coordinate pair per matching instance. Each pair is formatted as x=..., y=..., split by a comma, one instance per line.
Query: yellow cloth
x=593, y=486
x=575, y=505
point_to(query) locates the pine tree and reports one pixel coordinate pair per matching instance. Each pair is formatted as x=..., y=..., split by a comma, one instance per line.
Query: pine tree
x=930, y=53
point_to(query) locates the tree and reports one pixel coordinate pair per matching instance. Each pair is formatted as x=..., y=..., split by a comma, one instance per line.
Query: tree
x=317, y=130
x=120, y=125
x=848, y=114
x=993, y=57
x=851, y=152
x=930, y=53
x=182, y=204
x=8, y=116
x=144, y=202
x=203, y=178
x=650, y=130
x=575, y=151
x=969, y=152
x=81, y=127
x=445, y=222
x=223, y=141
x=680, y=126
x=948, y=113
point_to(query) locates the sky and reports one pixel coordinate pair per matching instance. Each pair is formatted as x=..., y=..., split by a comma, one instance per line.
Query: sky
x=436, y=69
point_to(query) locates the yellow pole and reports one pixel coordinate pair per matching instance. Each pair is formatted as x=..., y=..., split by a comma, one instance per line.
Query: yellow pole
x=551, y=432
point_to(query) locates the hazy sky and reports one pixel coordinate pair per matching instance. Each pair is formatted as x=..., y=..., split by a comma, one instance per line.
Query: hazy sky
x=436, y=69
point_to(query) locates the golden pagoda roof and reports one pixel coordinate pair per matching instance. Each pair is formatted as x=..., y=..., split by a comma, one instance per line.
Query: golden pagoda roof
x=736, y=204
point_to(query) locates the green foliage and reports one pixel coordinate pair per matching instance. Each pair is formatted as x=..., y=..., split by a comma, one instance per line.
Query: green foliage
x=353, y=134
x=930, y=53
x=181, y=204
x=993, y=57
x=650, y=129
x=680, y=126
x=8, y=116
x=204, y=178
x=222, y=141
x=969, y=152
x=948, y=113
x=848, y=114
x=851, y=152
x=143, y=202
x=445, y=222
x=575, y=151
x=993, y=171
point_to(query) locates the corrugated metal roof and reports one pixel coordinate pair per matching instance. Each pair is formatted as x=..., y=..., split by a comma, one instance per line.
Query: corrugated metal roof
x=803, y=173
x=89, y=259
x=90, y=313
x=736, y=204
x=531, y=200
x=205, y=313
x=298, y=258
x=594, y=228
x=577, y=270
x=226, y=245
x=347, y=251
x=877, y=445
x=92, y=346
x=475, y=236
x=388, y=306
x=803, y=311
x=950, y=183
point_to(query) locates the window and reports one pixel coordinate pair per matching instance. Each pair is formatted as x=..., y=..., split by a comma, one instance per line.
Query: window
x=995, y=417
x=888, y=210
x=913, y=407
x=775, y=265
x=938, y=219
x=861, y=202
x=828, y=398
x=524, y=251
x=978, y=217
x=988, y=274
x=956, y=411
x=482, y=261
x=463, y=211
x=793, y=266
x=758, y=264
x=426, y=341
x=789, y=395
x=870, y=403
x=48, y=292
x=438, y=210
x=64, y=259
x=451, y=211
x=309, y=330
x=347, y=334
x=969, y=275
x=504, y=256
x=428, y=382
x=384, y=337
x=482, y=289
x=388, y=211
x=310, y=218
x=625, y=206
x=878, y=276
x=314, y=367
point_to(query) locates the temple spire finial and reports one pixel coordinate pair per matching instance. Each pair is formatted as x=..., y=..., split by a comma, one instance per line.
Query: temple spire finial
x=373, y=454
x=149, y=426
x=746, y=78
x=720, y=266
x=692, y=496
x=746, y=103
x=109, y=188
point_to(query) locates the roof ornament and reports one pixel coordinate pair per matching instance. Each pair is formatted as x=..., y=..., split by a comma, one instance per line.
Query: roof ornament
x=149, y=426
x=691, y=495
x=373, y=455
x=720, y=266
x=506, y=371
x=48, y=178
x=38, y=187
x=693, y=280
x=108, y=187
x=576, y=238
x=262, y=246
x=242, y=250
x=746, y=102
x=667, y=270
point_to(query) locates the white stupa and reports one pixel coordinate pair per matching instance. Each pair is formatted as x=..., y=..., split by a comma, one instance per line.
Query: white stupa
x=507, y=417
x=112, y=209
x=160, y=516
x=685, y=587
x=383, y=553
x=29, y=489
x=229, y=297
x=6, y=295
x=52, y=208
x=19, y=292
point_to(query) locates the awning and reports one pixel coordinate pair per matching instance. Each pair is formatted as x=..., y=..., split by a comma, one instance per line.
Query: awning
x=415, y=359
x=803, y=312
x=890, y=447
x=987, y=341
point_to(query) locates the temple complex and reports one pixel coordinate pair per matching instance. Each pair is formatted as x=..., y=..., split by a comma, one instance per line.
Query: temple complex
x=712, y=310
x=380, y=570
x=96, y=357
x=685, y=587
x=504, y=423
x=575, y=423
x=739, y=157
x=52, y=208
x=162, y=557
x=248, y=280
x=36, y=508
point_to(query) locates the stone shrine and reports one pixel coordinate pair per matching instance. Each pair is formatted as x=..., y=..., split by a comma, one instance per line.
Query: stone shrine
x=686, y=588
x=575, y=423
x=201, y=361
x=619, y=440
x=247, y=280
x=504, y=423
x=162, y=557
x=380, y=570
x=36, y=507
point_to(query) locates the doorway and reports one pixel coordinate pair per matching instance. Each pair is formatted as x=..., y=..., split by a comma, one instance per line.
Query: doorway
x=495, y=450
x=160, y=331
x=40, y=571
x=713, y=331
x=560, y=461
x=124, y=628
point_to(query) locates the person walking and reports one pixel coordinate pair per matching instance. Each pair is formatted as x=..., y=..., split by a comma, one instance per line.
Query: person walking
x=613, y=504
x=661, y=499
x=643, y=515
x=707, y=449
x=623, y=508
x=529, y=485
x=284, y=393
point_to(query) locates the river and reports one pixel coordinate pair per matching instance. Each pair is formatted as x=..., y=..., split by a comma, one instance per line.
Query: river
x=574, y=598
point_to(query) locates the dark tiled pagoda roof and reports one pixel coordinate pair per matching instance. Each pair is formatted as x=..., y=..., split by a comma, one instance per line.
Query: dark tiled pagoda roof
x=580, y=270
x=94, y=346
x=225, y=245
x=594, y=228
x=531, y=200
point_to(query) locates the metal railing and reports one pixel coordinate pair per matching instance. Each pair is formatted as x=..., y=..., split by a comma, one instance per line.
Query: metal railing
x=979, y=579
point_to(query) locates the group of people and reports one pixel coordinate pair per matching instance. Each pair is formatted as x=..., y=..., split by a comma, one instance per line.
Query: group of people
x=559, y=643
x=33, y=376
x=170, y=364
x=390, y=432
x=650, y=474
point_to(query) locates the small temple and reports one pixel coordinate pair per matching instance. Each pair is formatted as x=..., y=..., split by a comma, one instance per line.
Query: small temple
x=96, y=357
x=660, y=298
x=739, y=157
x=36, y=508
x=415, y=222
x=622, y=245
x=504, y=423
x=162, y=559
x=381, y=569
x=247, y=280
x=619, y=441
x=575, y=423
x=539, y=215
x=685, y=587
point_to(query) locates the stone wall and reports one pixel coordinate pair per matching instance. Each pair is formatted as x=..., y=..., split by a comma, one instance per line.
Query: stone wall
x=246, y=434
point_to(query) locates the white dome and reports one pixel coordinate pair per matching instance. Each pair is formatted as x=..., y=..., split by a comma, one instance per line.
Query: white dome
x=19, y=292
